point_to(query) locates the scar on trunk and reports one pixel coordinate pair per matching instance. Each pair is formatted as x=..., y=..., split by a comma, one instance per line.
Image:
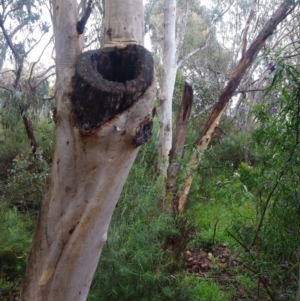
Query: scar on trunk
x=143, y=133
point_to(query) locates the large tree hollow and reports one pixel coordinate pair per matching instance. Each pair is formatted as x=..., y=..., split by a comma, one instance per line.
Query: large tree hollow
x=107, y=82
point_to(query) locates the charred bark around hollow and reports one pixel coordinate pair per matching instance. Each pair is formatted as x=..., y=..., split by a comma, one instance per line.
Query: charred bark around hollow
x=107, y=82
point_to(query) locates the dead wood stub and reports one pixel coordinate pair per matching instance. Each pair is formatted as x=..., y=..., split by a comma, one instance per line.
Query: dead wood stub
x=107, y=82
x=182, y=123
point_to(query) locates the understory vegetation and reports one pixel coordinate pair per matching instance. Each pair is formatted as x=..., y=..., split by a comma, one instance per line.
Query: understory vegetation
x=238, y=239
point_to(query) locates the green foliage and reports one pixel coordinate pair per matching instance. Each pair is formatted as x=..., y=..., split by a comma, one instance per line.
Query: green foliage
x=14, y=141
x=23, y=178
x=134, y=256
x=246, y=281
x=15, y=104
x=45, y=137
x=255, y=208
x=15, y=241
x=250, y=208
x=26, y=181
x=204, y=290
x=22, y=182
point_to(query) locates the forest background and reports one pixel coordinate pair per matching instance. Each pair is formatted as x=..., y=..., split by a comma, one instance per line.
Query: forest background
x=237, y=235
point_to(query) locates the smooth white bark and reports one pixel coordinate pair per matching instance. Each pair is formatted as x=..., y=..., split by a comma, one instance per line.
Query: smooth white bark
x=167, y=87
x=123, y=22
x=86, y=177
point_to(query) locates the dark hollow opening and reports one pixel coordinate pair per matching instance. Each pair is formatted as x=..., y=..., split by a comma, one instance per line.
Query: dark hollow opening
x=108, y=81
x=120, y=65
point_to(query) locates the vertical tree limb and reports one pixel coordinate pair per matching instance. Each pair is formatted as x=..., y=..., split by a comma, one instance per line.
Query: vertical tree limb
x=177, y=150
x=246, y=29
x=183, y=117
x=83, y=20
x=167, y=88
x=29, y=130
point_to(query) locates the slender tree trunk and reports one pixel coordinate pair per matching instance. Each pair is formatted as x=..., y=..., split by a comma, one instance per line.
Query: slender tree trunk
x=2, y=57
x=280, y=14
x=183, y=117
x=167, y=88
x=104, y=102
x=29, y=131
x=177, y=150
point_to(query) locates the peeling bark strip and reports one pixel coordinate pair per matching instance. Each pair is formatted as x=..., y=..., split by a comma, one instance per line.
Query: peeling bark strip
x=280, y=14
x=107, y=82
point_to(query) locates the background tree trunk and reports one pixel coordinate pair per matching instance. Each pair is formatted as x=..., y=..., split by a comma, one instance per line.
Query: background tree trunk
x=183, y=117
x=167, y=87
x=177, y=150
x=103, y=114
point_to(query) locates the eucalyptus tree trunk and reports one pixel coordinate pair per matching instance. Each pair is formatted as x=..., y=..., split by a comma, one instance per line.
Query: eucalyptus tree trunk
x=167, y=88
x=104, y=103
x=177, y=151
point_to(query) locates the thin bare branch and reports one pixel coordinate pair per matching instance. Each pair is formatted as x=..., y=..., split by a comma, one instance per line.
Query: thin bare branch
x=20, y=26
x=33, y=83
x=7, y=71
x=18, y=58
x=8, y=40
x=245, y=31
x=182, y=21
x=205, y=44
x=35, y=44
x=252, y=90
x=49, y=8
x=7, y=89
x=86, y=46
x=4, y=7
x=48, y=98
x=11, y=11
x=83, y=20
x=45, y=78
x=50, y=40
x=33, y=65
x=42, y=74
x=202, y=112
